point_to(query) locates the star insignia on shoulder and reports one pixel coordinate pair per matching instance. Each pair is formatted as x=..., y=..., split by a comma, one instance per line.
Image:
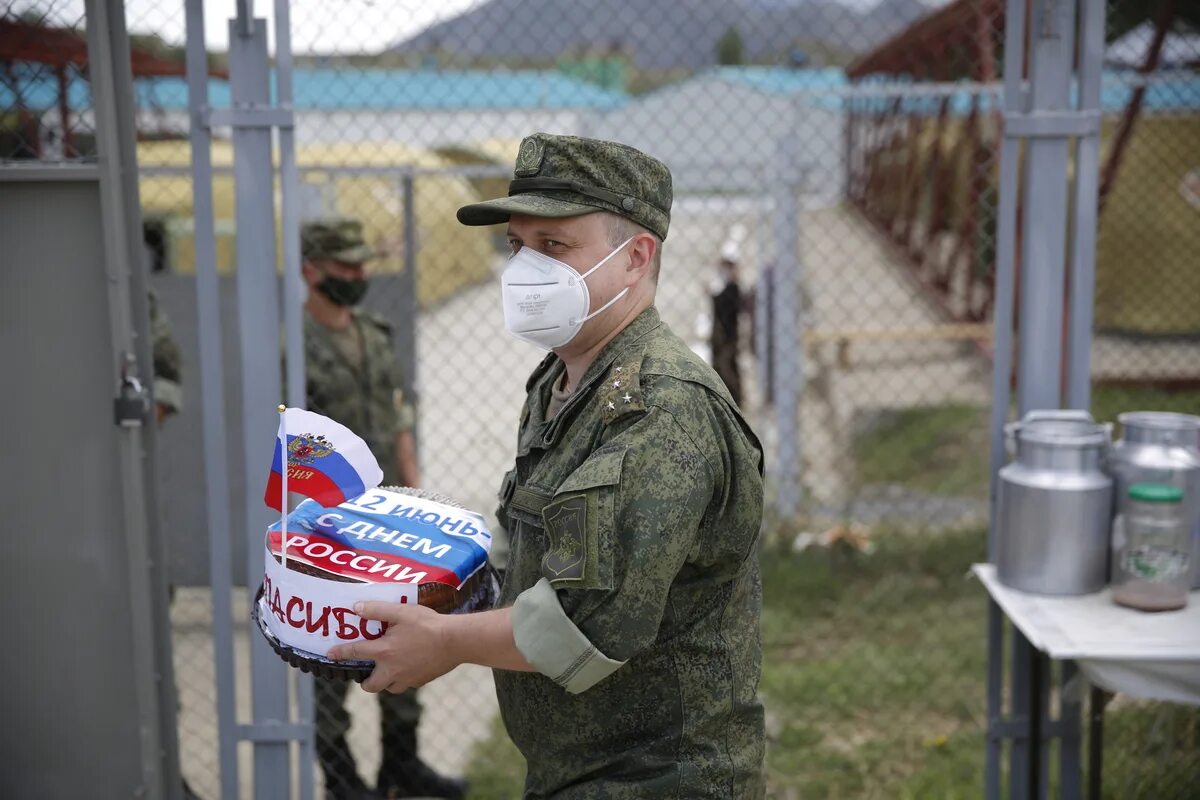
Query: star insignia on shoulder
x=619, y=369
x=612, y=406
x=627, y=398
x=616, y=384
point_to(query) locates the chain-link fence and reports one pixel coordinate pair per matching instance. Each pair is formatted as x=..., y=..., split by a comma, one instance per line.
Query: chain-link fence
x=887, y=116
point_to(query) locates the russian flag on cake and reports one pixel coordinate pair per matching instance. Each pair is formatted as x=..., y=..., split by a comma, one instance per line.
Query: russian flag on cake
x=325, y=461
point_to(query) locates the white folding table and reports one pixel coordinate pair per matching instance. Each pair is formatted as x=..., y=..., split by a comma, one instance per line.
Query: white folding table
x=1150, y=655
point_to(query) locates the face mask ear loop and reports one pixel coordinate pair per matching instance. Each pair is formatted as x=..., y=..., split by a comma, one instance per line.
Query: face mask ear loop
x=604, y=260
x=600, y=310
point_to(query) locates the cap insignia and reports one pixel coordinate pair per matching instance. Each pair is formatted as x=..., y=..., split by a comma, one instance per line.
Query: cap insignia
x=529, y=157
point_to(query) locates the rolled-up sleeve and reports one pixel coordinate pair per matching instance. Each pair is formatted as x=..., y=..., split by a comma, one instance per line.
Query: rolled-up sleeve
x=552, y=643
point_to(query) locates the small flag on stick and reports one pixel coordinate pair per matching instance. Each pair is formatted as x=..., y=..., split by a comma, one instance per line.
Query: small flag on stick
x=325, y=461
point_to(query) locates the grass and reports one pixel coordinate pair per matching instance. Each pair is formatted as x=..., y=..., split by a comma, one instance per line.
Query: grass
x=873, y=679
x=1146, y=275
x=874, y=669
x=943, y=450
x=937, y=450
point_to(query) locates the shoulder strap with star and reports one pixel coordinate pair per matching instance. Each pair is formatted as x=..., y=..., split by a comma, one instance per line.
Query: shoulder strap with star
x=621, y=391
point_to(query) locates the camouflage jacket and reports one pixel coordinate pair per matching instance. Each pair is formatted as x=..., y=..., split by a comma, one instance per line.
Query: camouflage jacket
x=168, y=370
x=367, y=399
x=634, y=515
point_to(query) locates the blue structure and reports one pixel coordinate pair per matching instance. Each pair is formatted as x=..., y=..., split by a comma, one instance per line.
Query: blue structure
x=332, y=89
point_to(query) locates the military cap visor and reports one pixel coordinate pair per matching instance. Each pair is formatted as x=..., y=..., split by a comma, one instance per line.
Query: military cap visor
x=336, y=239
x=545, y=197
x=350, y=255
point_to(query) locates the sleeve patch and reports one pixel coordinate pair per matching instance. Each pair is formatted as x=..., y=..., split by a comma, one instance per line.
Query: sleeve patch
x=566, y=523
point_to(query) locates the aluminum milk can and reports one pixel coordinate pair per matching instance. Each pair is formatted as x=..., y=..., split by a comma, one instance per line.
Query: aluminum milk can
x=1160, y=447
x=1054, y=504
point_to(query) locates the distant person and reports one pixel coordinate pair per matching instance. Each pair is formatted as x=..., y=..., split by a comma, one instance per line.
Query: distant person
x=168, y=373
x=727, y=303
x=352, y=376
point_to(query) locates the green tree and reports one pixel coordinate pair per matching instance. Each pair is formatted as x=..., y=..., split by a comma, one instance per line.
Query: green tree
x=729, y=47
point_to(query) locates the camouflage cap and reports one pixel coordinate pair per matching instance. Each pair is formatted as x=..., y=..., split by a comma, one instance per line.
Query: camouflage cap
x=565, y=176
x=337, y=238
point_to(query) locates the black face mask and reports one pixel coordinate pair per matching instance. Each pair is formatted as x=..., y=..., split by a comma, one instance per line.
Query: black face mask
x=344, y=293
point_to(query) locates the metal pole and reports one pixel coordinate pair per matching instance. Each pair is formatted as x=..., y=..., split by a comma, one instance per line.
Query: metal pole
x=156, y=541
x=1069, y=742
x=212, y=399
x=1043, y=261
x=1005, y=281
x=788, y=348
x=1085, y=205
x=1080, y=310
x=407, y=329
x=293, y=312
x=105, y=47
x=1096, y=705
x=258, y=329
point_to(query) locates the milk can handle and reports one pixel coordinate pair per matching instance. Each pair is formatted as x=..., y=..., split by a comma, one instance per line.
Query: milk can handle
x=1073, y=414
x=1010, y=438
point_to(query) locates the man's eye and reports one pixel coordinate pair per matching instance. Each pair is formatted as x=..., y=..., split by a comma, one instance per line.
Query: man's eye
x=552, y=243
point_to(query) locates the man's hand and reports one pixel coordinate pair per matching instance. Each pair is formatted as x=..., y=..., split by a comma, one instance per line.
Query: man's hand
x=411, y=653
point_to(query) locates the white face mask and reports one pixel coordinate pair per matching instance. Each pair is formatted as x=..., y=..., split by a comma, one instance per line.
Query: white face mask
x=546, y=301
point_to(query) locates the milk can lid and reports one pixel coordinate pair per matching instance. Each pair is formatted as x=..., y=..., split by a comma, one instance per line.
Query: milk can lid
x=1156, y=493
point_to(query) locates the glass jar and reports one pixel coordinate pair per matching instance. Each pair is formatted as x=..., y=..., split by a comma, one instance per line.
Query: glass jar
x=1151, y=549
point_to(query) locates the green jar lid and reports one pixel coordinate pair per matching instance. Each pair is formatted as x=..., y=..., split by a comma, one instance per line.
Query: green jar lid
x=1156, y=493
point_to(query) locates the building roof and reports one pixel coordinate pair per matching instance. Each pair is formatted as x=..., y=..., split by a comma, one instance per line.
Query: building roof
x=783, y=80
x=330, y=89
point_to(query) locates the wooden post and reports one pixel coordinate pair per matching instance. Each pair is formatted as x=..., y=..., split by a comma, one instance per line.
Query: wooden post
x=1166, y=13
x=64, y=110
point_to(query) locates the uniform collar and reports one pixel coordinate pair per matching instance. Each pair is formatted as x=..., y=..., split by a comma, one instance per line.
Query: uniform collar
x=643, y=324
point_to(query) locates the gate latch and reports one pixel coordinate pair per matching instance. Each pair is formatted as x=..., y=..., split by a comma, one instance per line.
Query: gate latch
x=132, y=405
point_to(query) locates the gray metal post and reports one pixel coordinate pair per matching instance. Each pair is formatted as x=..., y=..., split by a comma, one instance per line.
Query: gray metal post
x=106, y=47
x=1079, y=321
x=406, y=330
x=788, y=349
x=212, y=397
x=1002, y=355
x=1042, y=116
x=1085, y=201
x=293, y=311
x=1044, y=243
x=258, y=330
x=1043, y=284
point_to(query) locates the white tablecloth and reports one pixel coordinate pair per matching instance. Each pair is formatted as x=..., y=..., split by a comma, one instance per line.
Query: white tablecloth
x=1151, y=655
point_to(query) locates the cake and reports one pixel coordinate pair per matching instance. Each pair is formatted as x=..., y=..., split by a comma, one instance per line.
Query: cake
x=394, y=544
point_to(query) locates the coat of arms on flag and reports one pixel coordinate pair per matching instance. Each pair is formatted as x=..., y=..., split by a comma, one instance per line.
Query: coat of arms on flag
x=306, y=448
x=328, y=463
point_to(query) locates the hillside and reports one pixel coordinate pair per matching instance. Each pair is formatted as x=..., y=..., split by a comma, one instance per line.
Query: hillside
x=655, y=34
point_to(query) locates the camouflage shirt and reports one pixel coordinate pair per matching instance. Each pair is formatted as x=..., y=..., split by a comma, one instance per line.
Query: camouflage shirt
x=364, y=395
x=634, y=515
x=168, y=370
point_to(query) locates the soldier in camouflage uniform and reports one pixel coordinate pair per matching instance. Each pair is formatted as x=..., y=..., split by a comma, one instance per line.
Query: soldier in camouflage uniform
x=627, y=651
x=168, y=372
x=352, y=377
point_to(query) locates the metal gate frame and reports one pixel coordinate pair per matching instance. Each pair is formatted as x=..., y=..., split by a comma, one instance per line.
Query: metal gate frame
x=1041, y=118
x=253, y=119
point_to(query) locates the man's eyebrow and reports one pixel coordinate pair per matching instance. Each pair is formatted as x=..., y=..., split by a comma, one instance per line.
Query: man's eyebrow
x=553, y=231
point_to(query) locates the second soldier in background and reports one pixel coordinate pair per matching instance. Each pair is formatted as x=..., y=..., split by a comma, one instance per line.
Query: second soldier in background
x=353, y=377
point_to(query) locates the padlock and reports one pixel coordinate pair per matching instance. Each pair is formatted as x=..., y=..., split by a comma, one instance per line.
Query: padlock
x=131, y=407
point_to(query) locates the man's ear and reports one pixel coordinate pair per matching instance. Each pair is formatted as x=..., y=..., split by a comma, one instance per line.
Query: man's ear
x=641, y=254
x=309, y=272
